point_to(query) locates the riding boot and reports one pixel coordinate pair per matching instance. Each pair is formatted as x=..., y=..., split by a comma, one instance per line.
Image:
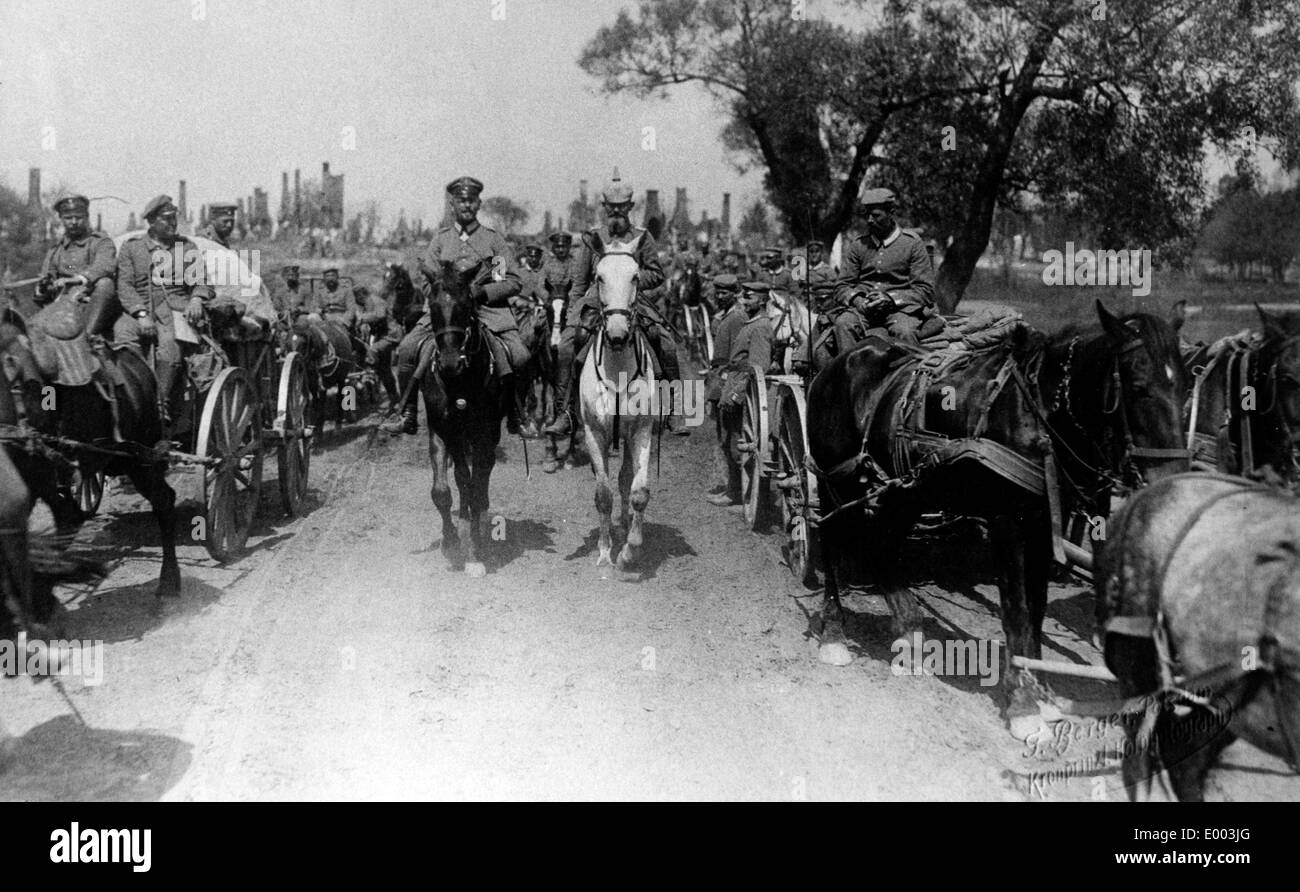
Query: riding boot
x=409, y=422
x=166, y=372
x=673, y=422
x=527, y=428
x=562, y=424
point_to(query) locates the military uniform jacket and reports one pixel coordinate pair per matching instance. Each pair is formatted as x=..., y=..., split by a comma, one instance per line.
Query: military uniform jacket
x=340, y=300
x=558, y=276
x=753, y=342
x=781, y=280
x=821, y=274
x=899, y=266
x=208, y=233
x=480, y=243
x=532, y=284
x=292, y=302
x=93, y=257
x=725, y=329
x=139, y=288
x=649, y=278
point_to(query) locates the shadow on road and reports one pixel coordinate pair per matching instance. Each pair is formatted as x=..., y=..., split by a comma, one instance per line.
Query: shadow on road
x=661, y=543
x=64, y=761
x=126, y=613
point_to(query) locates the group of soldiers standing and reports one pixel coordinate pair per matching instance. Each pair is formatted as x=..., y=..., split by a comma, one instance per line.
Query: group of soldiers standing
x=886, y=283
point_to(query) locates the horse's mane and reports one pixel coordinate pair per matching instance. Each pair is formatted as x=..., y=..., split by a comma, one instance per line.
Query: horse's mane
x=1094, y=346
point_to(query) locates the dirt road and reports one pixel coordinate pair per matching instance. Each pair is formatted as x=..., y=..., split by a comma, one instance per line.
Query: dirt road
x=341, y=659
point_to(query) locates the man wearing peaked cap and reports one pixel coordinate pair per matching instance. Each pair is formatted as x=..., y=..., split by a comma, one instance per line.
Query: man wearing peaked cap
x=291, y=299
x=773, y=271
x=87, y=259
x=468, y=241
x=161, y=300
x=820, y=272
x=335, y=302
x=886, y=279
x=532, y=291
x=221, y=223
x=752, y=345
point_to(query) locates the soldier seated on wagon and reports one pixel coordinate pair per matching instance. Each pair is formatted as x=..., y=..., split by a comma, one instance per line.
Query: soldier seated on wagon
x=887, y=279
x=87, y=259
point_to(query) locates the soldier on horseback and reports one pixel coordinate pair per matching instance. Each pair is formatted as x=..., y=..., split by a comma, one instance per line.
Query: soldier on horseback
x=467, y=239
x=583, y=315
x=378, y=334
x=887, y=279
x=88, y=259
x=166, y=306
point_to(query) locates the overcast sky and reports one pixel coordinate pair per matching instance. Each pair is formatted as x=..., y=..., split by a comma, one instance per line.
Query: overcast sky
x=228, y=93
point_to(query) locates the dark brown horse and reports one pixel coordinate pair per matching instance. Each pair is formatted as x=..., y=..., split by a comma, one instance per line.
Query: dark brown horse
x=1244, y=414
x=326, y=348
x=464, y=402
x=892, y=442
x=1198, y=591
x=398, y=291
x=81, y=415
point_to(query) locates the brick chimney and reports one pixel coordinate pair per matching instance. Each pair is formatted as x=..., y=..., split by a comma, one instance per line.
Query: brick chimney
x=34, y=187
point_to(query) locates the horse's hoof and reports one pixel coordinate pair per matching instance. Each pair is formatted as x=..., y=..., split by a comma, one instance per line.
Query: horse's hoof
x=834, y=653
x=550, y=466
x=475, y=569
x=625, y=559
x=603, y=557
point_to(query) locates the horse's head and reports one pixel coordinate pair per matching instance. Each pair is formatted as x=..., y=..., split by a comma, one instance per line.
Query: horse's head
x=1280, y=361
x=453, y=312
x=1144, y=387
x=616, y=284
x=396, y=284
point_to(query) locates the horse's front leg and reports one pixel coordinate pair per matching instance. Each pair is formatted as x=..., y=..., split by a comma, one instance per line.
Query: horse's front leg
x=598, y=452
x=465, y=519
x=439, y=459
x=151, y=482
x=638, y=454
x=480, y=477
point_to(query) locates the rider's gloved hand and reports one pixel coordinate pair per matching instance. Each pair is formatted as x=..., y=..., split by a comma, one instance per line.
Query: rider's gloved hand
x=146, y=326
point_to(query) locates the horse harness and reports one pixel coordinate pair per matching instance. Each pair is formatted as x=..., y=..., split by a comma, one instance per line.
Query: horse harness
x=1176, y=688
x=1240, y=356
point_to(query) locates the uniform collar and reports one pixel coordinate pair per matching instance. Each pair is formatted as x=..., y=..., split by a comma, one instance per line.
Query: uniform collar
x=465, y=230
x=79, y=242
x=889, y=239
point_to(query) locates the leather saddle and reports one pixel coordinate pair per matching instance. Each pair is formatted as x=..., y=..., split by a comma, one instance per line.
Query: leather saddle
x=59, y=342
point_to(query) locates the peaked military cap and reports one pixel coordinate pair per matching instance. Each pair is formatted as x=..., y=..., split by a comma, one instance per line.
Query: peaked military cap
x=561, y=238
x=157, y=205
x=773, y=249
x=218, y=208
x=726, y=282
x=818, y=242
x=71, y=202
x=291, y=268
x=328, y=270
x=465, y=187
x=760, y=287
x=877, y=198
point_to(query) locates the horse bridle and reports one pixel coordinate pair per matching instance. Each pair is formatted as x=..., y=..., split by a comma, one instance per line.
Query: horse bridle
x=1126, y=465
x=630, y=310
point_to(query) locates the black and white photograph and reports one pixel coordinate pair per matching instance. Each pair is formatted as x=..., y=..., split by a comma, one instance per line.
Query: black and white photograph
x=772, y=401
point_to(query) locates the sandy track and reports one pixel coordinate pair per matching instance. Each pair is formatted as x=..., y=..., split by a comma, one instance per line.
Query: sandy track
x=342, y=659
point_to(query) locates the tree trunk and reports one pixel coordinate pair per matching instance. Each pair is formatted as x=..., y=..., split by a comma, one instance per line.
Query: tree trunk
x=972, y=234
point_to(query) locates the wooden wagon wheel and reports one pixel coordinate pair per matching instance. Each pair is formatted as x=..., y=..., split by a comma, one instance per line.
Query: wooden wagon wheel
x=294, y=454
x=88, y=489
x=751, y=448
x=795, y=485
x=230, y=432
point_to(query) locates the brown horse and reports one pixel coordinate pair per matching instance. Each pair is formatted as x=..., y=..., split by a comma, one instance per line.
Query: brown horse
x=81, y=415
x=464, y=403
x=330, y=360
x=892, y=441
x=1198, y=591
x=1244, y=414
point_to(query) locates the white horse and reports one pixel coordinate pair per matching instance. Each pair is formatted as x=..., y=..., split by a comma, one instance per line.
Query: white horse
x=789, y=317
x=618, y=398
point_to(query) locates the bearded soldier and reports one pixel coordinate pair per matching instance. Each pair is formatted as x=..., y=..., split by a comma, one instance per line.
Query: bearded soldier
x=334, y=302
x=887, y=278
x=86, y=258
x=291, y=300
x=584, y=302
x=160, y=299
x=468, y=240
